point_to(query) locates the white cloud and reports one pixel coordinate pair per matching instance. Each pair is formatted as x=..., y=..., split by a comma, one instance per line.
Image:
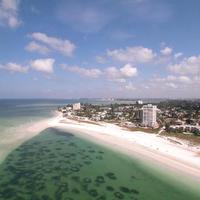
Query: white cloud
x=43, y=65
x=111, y=73
x=189, y=65
x=128, y=71
x=92, y=72
x=137, y=54
x=174, y=82
x=13, y=67
x=36, y=47
x=9, y=13
x=167, y=51
x=64, y=47
x=121, y=74
x=184, y=78
x=171, y=78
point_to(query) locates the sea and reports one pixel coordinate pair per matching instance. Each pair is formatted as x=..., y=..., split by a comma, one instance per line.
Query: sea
x=56, y=165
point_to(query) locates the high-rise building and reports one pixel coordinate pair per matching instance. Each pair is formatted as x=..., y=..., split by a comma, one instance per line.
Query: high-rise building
x=149, y=115
x=76, y=106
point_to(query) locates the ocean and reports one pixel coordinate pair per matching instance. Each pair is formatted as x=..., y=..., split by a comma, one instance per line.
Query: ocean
x=56, y=165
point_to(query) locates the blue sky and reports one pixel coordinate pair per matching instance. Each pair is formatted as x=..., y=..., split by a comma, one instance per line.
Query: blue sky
x=107, y=48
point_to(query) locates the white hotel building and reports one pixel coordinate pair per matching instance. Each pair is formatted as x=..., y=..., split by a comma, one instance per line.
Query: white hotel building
x=76, y=106
x=149, y=115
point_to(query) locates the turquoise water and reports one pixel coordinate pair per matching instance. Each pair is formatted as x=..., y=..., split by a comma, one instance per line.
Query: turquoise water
x=15, y=115
x=14, y=112
x=56, y=165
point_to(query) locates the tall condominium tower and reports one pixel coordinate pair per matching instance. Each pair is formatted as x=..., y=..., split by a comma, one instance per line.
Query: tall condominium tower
x=149, y=115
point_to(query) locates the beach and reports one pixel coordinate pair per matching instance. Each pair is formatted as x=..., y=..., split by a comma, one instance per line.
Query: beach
x=71, y=152
x=169, y=154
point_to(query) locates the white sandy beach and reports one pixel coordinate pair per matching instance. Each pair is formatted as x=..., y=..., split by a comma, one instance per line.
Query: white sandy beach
x=180, y=158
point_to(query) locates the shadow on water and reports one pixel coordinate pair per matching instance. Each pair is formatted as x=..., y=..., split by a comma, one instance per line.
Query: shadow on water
x=58, y=165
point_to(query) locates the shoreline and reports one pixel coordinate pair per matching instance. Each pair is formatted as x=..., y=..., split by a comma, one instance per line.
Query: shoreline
x=22, y=133
x=160, y=152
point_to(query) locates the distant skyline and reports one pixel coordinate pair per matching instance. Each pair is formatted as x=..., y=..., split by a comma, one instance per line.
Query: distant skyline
x=99, y=49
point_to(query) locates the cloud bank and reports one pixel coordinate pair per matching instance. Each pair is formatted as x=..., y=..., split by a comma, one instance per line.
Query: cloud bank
x=14, y=67
x=45, y=65
x=136, y=54
x=110, y=73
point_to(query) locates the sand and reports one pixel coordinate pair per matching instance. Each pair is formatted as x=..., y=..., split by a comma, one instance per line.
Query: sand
x=167, y=153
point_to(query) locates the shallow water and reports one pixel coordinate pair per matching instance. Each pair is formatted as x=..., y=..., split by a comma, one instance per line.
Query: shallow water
x=15, y=116
x=57, y=165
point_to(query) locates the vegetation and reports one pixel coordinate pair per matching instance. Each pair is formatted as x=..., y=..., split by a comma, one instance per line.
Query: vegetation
x=179, y=117
x=192, y=139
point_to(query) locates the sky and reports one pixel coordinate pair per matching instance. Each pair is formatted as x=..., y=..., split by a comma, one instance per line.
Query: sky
x=99, y=49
